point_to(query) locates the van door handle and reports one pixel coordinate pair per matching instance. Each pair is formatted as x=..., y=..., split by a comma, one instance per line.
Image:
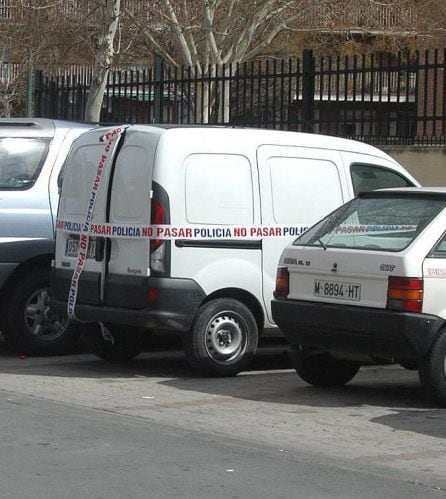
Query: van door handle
x=99, y=249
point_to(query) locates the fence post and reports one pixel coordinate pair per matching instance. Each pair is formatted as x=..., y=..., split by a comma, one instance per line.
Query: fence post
x=159, y=83
x=308, y=90
x=38, y=90
x=29, y=92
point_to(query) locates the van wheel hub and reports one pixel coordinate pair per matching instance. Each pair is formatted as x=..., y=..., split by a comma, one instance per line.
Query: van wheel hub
x=41, y=320
x=225, y=338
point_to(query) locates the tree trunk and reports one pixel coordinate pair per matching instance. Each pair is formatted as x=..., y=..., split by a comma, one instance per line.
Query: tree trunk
x=103, y=61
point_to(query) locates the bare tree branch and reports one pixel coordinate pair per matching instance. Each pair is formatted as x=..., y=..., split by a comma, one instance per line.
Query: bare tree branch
x=179, y=32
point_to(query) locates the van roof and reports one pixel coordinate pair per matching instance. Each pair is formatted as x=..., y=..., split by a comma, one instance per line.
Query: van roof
x=258, y=136
x=34, y=127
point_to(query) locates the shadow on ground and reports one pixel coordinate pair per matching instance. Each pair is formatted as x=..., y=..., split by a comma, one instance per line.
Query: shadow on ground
x=269, y=380
x=163, y=357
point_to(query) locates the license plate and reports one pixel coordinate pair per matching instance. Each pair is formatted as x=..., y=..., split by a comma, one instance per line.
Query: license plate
x=72, y=247
x=337, y=289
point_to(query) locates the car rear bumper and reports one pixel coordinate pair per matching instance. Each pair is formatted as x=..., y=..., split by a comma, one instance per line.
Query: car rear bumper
x=172, y=306
x=357, y=330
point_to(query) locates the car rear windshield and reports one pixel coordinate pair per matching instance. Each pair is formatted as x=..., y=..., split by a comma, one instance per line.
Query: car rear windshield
x=20, y=161
x=374, y=223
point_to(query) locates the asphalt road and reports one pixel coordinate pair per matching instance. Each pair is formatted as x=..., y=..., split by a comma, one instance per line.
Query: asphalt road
x=75, y=426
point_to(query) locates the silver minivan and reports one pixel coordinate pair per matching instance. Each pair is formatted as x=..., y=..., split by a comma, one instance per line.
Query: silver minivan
x=32, y=152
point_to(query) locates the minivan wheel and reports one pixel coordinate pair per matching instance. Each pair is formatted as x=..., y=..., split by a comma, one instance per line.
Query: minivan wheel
x=31, y=326
x=112, y=342
x=321, y=369
x=432, y=370
x=223, y=338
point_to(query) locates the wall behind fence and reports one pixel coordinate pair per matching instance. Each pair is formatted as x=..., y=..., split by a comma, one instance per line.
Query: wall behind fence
x=427, y=164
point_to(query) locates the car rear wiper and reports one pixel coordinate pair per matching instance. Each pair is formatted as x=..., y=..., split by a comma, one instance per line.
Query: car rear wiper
x=319, y=240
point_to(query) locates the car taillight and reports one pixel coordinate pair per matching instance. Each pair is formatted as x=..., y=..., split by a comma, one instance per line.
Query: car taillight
x=405, y=293
x=282, y=283
x=157, y=246
x=158, y=217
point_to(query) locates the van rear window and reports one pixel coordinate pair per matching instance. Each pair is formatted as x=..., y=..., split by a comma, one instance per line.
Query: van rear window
x=21, y=160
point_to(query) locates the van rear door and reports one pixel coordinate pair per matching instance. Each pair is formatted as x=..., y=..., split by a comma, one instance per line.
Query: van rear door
x=128, y=265
x=117, y=268
x=79, y=174
x=298, y=186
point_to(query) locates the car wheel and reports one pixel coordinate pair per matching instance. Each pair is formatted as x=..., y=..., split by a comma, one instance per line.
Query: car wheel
x=223, y=338
x=432, y=370
x=321, y=369
x=112, y=342
x=30, y=324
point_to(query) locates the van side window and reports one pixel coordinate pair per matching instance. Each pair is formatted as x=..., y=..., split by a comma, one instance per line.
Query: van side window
x=303, y=189
x=218, y=189
x=366, y=178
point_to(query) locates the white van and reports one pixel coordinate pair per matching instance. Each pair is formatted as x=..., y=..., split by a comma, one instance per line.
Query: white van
x=217, y=290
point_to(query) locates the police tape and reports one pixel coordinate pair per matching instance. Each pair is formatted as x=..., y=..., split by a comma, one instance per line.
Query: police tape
x=210, y=232
x=173, y=232
x=84, y=228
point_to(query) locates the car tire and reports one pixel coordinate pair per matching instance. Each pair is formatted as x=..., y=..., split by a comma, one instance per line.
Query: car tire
x=432, y=370
x=321, y=369
x=112, y=342
x=223, y=338
x=30, y=326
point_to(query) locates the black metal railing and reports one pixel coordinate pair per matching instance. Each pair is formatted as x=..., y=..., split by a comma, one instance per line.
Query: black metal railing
x=381, y=99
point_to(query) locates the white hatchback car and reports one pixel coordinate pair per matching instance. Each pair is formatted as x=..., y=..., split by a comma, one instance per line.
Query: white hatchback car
x=367, y=284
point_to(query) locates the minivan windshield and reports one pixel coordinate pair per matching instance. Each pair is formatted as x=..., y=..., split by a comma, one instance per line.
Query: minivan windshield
x=20, y=161
x=384, y=223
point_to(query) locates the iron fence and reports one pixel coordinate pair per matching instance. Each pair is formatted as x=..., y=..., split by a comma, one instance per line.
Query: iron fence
x=384, y=99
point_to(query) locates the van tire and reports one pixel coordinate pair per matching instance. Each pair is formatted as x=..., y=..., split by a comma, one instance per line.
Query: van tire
x=30, y=326
x=223, y=338
x=321, y=369
x=112, y=342
x=432, y=370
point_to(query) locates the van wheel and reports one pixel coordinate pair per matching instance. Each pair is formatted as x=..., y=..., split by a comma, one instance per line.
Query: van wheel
x=30, y=325
x=223, y=338
x=321, y=369
x=432, y=370
x=112, y=342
